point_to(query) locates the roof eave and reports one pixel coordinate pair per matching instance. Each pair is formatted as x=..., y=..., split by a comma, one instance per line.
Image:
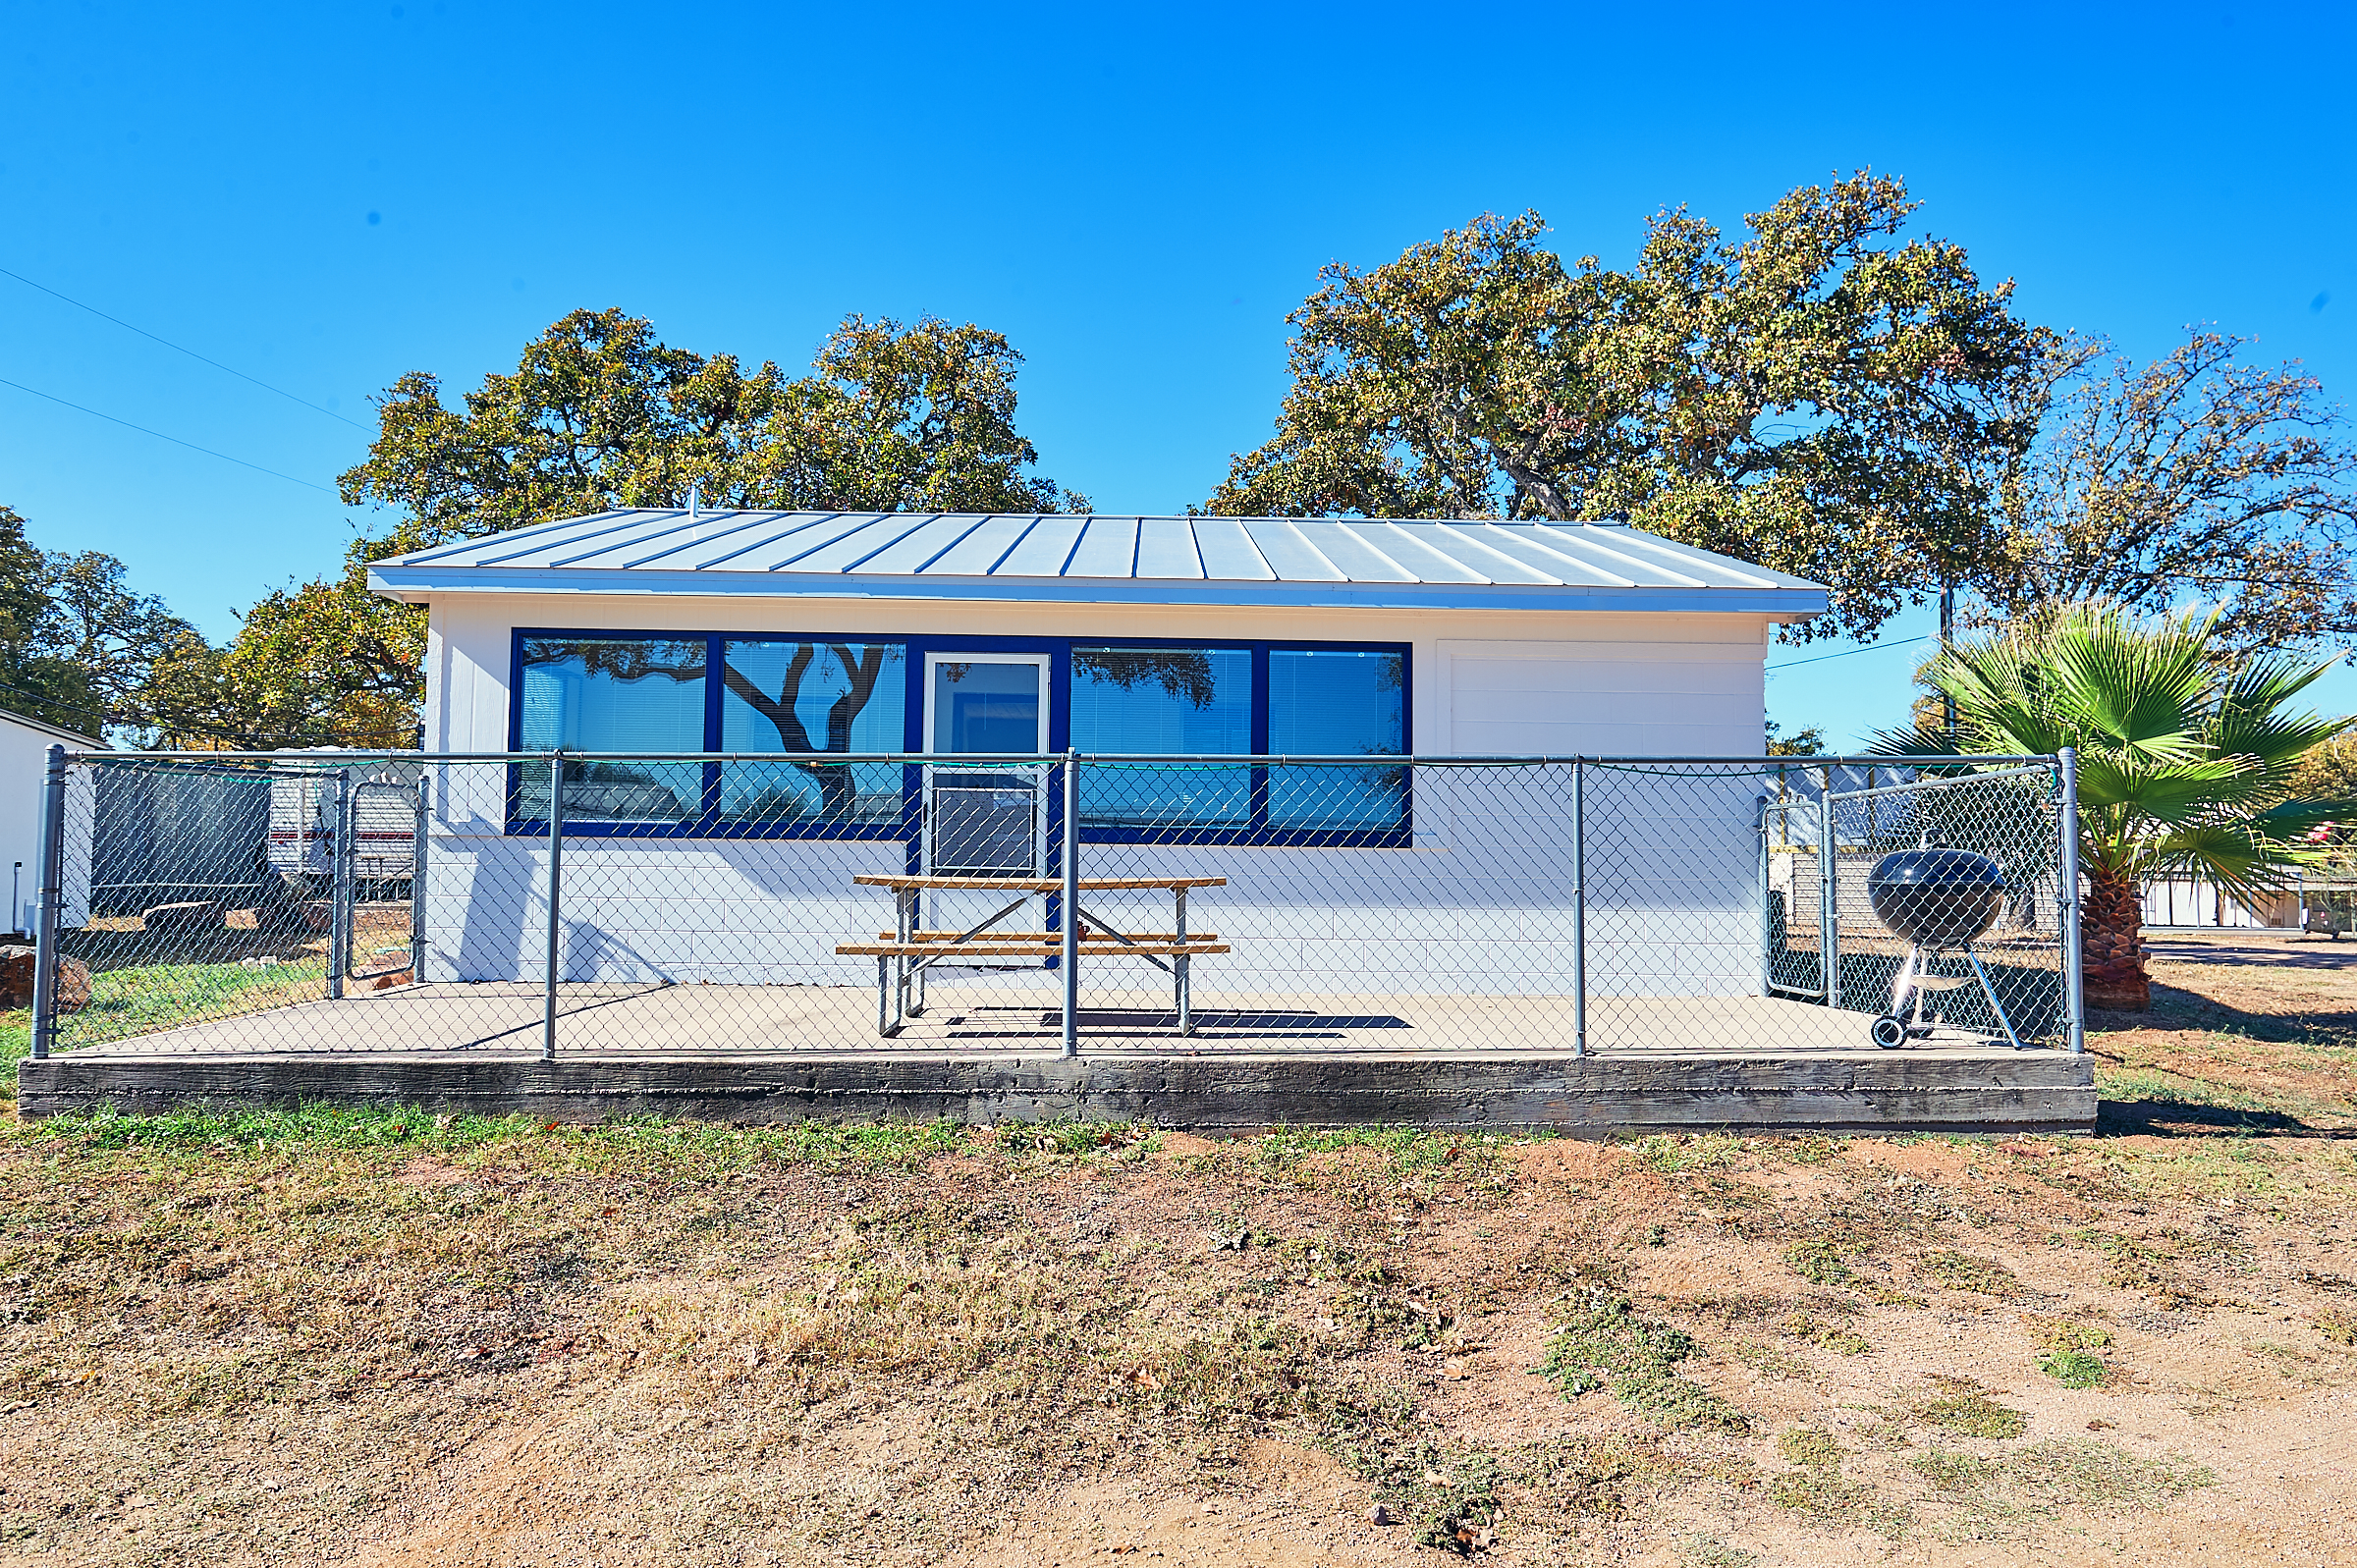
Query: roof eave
x=417, y=584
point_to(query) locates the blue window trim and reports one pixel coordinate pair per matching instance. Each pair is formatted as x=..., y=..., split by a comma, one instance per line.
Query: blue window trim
x=709, y=824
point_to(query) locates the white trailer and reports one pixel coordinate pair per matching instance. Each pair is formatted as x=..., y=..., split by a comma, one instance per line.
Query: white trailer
x=384, y=805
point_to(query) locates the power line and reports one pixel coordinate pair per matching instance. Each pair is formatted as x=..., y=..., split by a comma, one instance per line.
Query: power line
x=106, y=719
x=60, y=704
x=176, y=349
x=160, y=436
x=1872, y=647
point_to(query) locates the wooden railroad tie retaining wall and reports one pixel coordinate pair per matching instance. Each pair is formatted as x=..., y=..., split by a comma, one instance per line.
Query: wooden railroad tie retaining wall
x=1976, y=1091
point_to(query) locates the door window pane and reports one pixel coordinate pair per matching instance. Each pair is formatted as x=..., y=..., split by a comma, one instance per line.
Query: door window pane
x=614, y=694
x=1163, y=701
x=812, y=697
x=1326, y=702
x=986, y=706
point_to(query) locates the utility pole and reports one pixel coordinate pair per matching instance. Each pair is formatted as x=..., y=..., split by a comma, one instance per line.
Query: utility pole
x=1947, y=631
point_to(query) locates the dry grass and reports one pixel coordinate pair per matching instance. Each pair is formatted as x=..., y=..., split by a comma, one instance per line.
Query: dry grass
x=397, y=1338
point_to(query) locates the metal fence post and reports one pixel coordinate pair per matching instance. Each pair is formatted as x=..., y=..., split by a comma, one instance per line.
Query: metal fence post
x=52, y=896
x=1579, y=907
x=2074, y=957
x=1829, y=892
x=556, y=876
x=339, y=885
x=417, y=879
x=1069, y=921
x=1767, y=900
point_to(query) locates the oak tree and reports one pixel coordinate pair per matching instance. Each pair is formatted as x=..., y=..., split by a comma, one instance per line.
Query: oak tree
x=2197, y=477
x=1822, y=394
x=600, y=412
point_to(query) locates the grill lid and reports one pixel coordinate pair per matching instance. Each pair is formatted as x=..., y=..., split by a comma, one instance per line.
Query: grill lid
x=1936, y=897
x=1936, y=868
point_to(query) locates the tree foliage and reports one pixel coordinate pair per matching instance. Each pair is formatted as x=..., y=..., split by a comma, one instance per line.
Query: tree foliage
x=2188, y=757
x=78, y=646
x=2197, y=477
x=321, y=664
x=600, y=412
x=1820, y=395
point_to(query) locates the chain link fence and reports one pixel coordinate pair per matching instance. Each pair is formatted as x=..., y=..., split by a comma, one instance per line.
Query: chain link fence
x=328, y=902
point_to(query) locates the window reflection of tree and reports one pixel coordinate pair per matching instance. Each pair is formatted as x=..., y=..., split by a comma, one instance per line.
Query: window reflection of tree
x=860, y=667
x=636, y=792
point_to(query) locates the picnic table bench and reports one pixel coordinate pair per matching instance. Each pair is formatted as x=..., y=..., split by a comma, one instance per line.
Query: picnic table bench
x=904, y=954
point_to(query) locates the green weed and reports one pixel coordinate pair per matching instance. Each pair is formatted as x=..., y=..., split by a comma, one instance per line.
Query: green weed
x=1819, y=1263
x=2091, y=1474
x=1765, y=1358
x=1446, y=1495
x=1950, y=1470
x=1963, y=1271
x=1672, y=1154
x=1709, y=1551
x=1970, y=1413
x=1603, y=1343
x=1828, y=1497
x=1809, y=1445
x=1067, y=1140
x=1800, y=1325
x=2074, y=1369
x=2062, y=1333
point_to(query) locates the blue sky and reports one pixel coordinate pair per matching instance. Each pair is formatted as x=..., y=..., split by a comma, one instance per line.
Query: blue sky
x=327, y=195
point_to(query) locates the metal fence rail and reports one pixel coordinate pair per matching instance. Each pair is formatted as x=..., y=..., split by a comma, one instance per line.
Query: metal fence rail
x=649, y=903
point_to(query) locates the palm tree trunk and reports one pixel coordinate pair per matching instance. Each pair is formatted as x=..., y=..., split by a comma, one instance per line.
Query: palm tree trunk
x=2111, y=944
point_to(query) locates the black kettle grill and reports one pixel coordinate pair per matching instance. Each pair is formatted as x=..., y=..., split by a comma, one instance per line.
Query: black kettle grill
x=1940, y=900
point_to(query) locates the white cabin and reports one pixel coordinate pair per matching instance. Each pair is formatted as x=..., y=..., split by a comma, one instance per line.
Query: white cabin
x=762, y=631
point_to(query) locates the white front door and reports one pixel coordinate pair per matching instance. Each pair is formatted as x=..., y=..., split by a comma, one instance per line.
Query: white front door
x=986, y=821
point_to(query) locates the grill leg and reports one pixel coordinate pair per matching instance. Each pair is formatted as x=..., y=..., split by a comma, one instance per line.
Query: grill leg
x=1904, y=984
x=1989, y=990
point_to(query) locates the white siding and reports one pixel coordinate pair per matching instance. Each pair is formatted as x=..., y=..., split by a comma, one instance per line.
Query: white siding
x=24, y=773
x=1481, y=904
x=1699, y=693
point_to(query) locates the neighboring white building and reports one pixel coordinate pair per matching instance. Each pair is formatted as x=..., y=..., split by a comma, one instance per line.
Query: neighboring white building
x=646, y=631
x=23, y=762
x=2191, y=901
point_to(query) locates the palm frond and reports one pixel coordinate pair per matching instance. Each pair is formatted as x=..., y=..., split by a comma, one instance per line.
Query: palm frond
x=2165, y=792
x=2137, y=688
x=2247, y=722
x=2236, y=855
x=2184, y=759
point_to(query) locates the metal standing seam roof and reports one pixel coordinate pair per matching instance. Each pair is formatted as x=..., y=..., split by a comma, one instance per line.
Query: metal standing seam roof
x=1100, y=558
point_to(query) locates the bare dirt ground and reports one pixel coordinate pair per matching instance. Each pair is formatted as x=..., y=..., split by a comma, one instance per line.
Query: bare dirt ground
x=392, y=1340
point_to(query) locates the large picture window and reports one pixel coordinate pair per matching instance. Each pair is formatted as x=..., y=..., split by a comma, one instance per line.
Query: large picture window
x=1168, y=702
x=812, y=697
x=614, y=694
x=1337, y=702
x=805, y=699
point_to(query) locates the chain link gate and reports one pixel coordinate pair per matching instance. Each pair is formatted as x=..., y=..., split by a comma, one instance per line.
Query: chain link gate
x=539, y=902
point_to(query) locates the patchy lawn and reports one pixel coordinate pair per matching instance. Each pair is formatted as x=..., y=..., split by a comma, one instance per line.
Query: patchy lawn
x=393, y=1339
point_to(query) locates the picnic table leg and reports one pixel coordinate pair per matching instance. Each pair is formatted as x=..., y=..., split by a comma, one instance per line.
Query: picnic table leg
x=1178, y=966
x=886, y=988
x=913, y=979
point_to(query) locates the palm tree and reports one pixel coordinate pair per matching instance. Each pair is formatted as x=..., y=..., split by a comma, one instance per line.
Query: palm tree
x=2185, y=758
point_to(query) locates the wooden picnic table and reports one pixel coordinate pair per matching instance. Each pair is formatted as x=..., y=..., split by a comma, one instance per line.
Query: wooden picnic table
x=904, y=954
